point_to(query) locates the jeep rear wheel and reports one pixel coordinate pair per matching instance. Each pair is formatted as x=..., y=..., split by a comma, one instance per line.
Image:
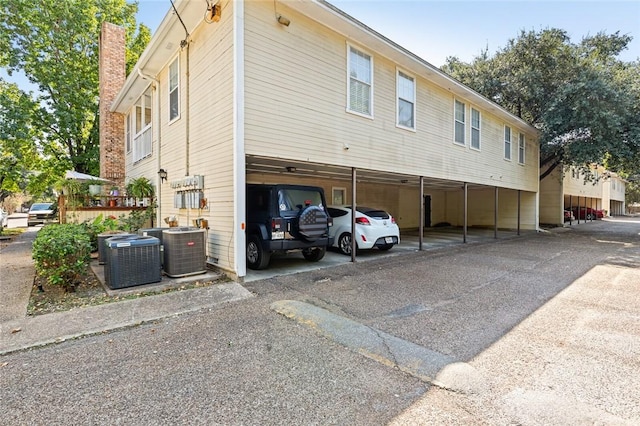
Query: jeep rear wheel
x=312, y=223
x=257, y=257
x=314, y=254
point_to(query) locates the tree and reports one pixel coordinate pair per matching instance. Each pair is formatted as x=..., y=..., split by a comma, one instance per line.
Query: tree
x=574, y=94
x=18, y=155
x=55, y=44
x=627, y=158
x=632, y=192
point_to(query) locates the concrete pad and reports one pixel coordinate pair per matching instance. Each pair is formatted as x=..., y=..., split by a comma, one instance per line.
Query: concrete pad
x=550, y=407
x=57, y=327
x=16, y=278
x=18, y=220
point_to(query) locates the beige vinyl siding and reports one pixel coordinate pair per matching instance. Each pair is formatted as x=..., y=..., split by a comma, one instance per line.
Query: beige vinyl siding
x=576, y=186
x=210, y=150
x=296, y=96
x=211, y=133
x=617, y=193
x=552, y=200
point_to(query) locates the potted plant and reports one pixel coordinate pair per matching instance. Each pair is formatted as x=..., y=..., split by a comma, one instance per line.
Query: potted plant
x=73, y=191
x=141, y=188
x=95, y=187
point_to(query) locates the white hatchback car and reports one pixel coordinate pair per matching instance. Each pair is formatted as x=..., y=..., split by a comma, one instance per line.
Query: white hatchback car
x=374, y=228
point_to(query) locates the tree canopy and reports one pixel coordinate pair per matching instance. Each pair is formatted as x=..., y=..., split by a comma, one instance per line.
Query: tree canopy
x=55, y=45
x=582, y=99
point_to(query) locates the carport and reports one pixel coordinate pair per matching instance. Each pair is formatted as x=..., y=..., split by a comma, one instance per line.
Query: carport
x=572, y=202
x=418, y=188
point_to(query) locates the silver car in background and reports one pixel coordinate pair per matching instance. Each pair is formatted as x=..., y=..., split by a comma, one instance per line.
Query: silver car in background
x=42, y=213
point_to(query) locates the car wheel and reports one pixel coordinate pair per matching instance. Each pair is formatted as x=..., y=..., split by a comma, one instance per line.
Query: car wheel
x=314, y=254
x=257, y=257
x=385, y=247
x=344, y=244
x=589, y=216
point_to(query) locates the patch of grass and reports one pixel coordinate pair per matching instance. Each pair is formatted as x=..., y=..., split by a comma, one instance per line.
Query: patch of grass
x=11, y=232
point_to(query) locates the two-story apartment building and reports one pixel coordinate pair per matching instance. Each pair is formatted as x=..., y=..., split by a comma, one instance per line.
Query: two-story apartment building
x=614, y=194
x=570, y=190
x=300, y=92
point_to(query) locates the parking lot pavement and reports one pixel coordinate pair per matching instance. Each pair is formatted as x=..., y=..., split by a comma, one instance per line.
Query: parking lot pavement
x=537, y=330
x=434, y=239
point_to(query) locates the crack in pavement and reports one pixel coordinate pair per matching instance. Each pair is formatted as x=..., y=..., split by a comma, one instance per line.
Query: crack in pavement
x=416, y=360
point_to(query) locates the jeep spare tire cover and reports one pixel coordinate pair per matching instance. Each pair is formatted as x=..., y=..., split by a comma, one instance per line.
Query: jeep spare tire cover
x=312, y=223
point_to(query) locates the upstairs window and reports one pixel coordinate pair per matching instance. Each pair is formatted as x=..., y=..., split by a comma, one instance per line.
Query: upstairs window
x=521, y=146
x=127, y=132
x=459, y=122
x=507, y=143
x=142, y=143
x=406, y=101
x=475, y=128
x=174, y=90
x=360, y=82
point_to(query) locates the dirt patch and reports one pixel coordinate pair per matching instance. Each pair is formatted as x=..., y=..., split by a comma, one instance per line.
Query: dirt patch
x=89, y=291
x=46, y=299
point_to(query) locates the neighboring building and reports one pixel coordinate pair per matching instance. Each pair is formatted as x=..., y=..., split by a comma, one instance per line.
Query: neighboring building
x=560, y=191
x=614, y=194
x=299, y=92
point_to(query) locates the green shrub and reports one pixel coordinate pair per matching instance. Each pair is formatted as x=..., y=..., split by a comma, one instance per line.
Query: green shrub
x=99, y=225
x=62, y=254
x=138, y=218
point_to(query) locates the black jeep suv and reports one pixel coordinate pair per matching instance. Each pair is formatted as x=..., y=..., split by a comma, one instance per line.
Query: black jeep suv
x=286, y=217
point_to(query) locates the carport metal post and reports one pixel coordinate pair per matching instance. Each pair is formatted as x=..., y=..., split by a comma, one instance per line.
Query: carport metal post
x=578, y=211
x=353, y=214
x=519, y=199
x=495, y=213
x=464, y=228
x=570, y=209
x=421, y=226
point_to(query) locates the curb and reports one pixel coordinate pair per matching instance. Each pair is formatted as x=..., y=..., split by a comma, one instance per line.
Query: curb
x=42, y=330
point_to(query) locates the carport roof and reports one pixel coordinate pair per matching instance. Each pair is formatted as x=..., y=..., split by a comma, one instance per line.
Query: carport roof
x=279, y=166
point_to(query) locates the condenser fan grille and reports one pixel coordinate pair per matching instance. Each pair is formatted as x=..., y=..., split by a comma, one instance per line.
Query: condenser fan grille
x=184, y=251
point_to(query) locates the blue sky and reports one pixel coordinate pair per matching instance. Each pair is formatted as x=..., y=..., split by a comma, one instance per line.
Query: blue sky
x=435, y=29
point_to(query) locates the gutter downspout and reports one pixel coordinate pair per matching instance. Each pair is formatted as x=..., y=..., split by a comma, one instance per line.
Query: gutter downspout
x=156, y=85
x=187, y=110
x=187, y=121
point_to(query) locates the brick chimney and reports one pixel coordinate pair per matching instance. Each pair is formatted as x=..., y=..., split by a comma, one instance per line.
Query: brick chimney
x=112, y=77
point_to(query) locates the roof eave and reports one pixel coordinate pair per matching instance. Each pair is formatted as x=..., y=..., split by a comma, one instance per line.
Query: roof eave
x=352, y=29
x=164, y=45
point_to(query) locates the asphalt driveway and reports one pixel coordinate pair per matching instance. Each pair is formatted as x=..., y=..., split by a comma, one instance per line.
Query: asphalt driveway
x=541, y=329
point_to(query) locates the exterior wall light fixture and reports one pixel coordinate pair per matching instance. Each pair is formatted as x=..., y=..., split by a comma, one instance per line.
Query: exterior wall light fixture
x=163, y=175
x=283, y=20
